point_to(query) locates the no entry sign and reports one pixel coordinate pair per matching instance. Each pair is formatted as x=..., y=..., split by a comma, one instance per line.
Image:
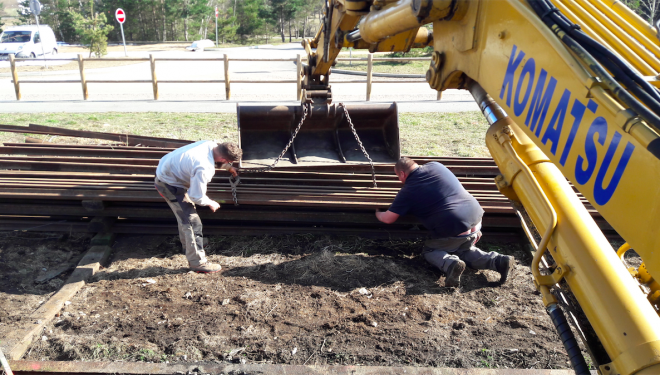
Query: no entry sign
x=120, y=15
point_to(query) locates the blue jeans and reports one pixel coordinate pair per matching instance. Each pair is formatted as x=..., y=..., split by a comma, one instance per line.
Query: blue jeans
x=443, y=252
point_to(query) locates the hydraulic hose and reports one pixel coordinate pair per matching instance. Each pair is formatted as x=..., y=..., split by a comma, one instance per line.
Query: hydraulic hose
x=607, y=56
x=548, y=16
x=568, y=339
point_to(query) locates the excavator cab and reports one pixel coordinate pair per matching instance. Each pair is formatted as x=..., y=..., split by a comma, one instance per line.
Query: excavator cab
x=325, y=136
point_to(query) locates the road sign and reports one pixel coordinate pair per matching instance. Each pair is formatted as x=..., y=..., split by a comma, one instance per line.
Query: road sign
x=120, y=15
x=216, y=12
x=35, y=7
x=121, y=18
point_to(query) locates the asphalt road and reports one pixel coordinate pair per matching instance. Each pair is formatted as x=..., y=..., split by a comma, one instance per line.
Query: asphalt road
x=205, y=97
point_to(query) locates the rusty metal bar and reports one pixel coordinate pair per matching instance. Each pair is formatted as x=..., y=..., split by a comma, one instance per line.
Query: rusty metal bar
x=141, y=368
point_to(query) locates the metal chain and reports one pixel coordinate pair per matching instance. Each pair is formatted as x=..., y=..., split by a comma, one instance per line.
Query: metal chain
x=233, y=182
x=293, y=136
x=350, y=123
x=270, y=167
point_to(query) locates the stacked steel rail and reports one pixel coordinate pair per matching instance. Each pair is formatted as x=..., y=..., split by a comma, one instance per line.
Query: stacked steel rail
x=60, y=187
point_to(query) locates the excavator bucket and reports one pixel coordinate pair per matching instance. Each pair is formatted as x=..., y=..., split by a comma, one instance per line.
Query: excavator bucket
x=325, y=136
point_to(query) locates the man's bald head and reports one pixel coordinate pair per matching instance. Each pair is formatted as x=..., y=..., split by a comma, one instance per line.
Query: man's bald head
x=404, y=167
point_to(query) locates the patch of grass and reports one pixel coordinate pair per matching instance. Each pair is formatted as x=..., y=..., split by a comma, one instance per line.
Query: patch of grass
x=431, y=134
x=443, y=134
x=401, y=67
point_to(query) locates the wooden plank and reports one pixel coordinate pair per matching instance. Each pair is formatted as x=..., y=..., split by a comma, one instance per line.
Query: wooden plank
x=14, y=76
x=153, y=76
x=19, y=340
x=227, y=83
x=81, y=66
x=370, y=66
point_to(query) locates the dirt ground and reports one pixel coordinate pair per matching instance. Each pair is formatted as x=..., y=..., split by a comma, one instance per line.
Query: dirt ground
x=27, y=262
x=297, y=299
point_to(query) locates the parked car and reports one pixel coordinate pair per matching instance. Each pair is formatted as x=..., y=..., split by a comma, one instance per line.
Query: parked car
x=199, y=45
x=27, y=41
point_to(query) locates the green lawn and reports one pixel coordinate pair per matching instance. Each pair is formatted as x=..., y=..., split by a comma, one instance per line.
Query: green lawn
x=401, y=67
x=433, y=134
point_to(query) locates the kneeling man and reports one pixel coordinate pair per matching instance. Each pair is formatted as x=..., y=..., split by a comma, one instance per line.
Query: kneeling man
x=435, y=196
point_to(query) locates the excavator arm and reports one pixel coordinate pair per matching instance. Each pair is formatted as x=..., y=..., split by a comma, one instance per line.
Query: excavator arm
x=572, y=108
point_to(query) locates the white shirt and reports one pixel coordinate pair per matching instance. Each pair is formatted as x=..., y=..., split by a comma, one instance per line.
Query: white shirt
x=191, y=167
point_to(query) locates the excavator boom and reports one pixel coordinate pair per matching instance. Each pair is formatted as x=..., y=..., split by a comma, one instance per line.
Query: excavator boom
x=569, y=90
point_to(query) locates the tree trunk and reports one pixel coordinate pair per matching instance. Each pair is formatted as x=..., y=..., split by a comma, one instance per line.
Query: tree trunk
x=304, y=27
x=289, y=31
x=173, y=30
x=162, y=2
x=144, y=32
x=155, y=21
x=185, y=28
x=282, y=25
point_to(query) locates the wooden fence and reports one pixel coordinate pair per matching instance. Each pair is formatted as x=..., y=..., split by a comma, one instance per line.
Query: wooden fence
x=227, y=81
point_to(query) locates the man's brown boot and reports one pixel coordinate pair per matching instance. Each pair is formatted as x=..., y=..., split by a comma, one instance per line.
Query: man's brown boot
x=453, y=274
x=206, y=268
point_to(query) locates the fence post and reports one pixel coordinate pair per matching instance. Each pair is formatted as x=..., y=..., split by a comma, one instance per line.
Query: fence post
x=83, y=81
x=439, y=95
x=370, y=65
x=299, y=77
x=14, y=76
x=227, y=85
x=154, y=80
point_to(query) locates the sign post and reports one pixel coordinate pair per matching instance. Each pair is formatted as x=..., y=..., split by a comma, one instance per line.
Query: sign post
x=216, y=26
x=121, y=18
x=35, y=8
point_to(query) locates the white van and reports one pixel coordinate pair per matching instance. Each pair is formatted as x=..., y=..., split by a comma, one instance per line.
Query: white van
x=27, y=41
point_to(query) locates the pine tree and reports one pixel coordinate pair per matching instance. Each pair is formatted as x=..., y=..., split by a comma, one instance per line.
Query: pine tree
x=93, y=30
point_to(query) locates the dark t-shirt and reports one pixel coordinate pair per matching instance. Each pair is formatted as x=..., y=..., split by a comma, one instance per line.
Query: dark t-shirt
x=435, y=196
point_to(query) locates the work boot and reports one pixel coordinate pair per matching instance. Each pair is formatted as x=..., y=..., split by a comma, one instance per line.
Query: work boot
x=453, y=274
x=206, y=268
x=504, y=265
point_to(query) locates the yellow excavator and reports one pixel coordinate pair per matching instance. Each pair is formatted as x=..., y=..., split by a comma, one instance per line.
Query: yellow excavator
x=569, y=90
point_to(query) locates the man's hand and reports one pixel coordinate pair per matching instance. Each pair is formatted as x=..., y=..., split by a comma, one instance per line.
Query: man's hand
x=214, y=206
x=233, y=171
x=387, y=217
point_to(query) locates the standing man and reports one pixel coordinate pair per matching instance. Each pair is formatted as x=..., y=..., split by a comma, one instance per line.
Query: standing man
x=435, y=196
x=181, y=179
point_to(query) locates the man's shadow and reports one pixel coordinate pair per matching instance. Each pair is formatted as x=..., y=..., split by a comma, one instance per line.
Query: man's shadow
x=347, y=272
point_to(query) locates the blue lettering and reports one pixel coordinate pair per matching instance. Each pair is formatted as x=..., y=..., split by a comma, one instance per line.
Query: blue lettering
x=577, y=112
x=511, y=67
x=552, y=133
x=599, y=125
x=603, y=195
x=540, y=103
x=528, y=70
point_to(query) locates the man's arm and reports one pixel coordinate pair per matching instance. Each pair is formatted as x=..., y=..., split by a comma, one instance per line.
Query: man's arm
x=197, y=192
x=387, y=217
